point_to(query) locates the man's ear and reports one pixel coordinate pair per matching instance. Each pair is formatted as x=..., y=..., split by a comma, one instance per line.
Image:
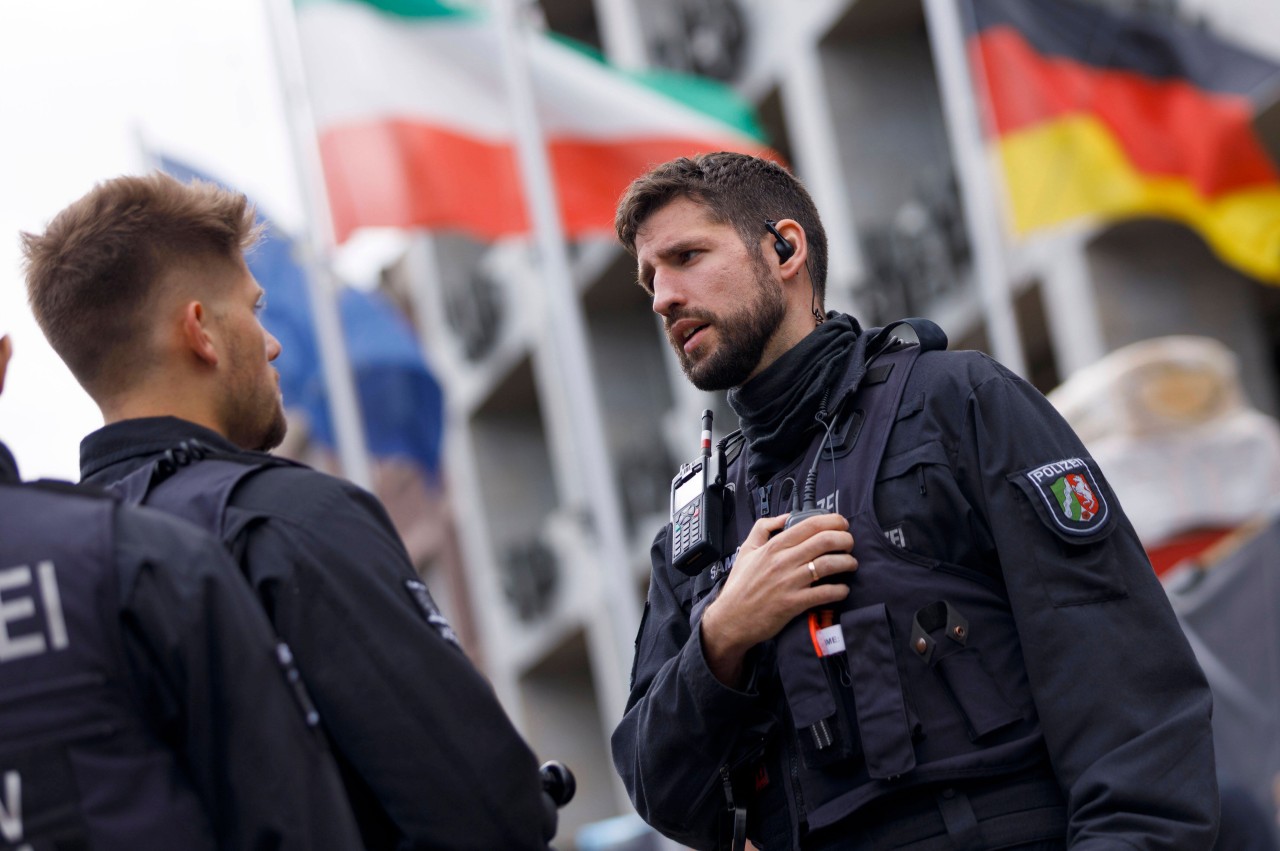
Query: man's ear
x=794, y=235
x=6, y=351
x=196, y=334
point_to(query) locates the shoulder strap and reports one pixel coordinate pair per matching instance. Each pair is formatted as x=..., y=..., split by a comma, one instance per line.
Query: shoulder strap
x=927, y=333
x=66, y=488
x=731, y=445
x=194, y=482
x=876, y=404
x=134, y=488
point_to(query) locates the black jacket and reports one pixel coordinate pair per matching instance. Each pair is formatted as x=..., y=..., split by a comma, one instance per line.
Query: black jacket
x=145, y=704
x=431, y=759
x=1123, y=706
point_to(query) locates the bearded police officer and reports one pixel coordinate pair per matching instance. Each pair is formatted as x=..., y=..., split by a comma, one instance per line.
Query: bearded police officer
x=142, y=289
x=962, y=645
x=146, y=703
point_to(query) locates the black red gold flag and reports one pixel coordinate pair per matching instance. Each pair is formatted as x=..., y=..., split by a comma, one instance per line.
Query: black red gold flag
x=1110, y=115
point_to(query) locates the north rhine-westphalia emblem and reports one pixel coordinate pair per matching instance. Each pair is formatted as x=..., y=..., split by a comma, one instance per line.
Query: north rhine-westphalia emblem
x=1070, y=493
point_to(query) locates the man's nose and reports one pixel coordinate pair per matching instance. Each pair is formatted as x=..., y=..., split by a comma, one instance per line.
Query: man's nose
x=666, y=295
x=273, y=347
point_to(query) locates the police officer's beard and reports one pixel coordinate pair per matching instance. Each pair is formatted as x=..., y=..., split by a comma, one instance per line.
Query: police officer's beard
x=272, y=434
x=255, y=419
x=742, y=335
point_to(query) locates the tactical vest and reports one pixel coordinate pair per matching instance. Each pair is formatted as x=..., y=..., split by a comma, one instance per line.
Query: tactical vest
x=79, y=768
x=199, y=493
x=195, y=482
x=922, y=680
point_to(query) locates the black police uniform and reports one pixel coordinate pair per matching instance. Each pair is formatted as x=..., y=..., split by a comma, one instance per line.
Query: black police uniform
x=1012, y=669
x=144, y=701
x=429, y=756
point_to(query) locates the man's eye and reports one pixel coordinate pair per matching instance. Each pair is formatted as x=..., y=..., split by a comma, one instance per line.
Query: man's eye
x=261, y=304
x=686, y=256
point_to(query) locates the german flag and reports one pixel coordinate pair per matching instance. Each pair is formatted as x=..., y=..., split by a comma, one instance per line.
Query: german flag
x=1113, y=116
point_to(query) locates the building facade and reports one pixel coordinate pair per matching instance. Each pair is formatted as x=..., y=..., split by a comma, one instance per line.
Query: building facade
x=870, y=102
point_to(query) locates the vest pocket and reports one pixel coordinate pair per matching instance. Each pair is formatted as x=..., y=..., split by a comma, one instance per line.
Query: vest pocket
x=884, y=718
x=974, y=693
x=851, y=717
x=842, y=733
x=816, y=698
x=939, y=637
x=48, y=811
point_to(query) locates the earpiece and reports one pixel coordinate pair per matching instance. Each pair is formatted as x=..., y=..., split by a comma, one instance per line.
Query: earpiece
x=785, y=250
x=780, y=245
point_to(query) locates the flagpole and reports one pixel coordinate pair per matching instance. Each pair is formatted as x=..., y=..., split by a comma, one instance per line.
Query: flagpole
x=317, y=246
x=622, y=34
x=817, y=158
x=568, y=343
x=977, y=183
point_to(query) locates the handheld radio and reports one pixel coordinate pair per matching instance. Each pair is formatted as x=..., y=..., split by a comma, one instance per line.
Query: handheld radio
x=697, y=510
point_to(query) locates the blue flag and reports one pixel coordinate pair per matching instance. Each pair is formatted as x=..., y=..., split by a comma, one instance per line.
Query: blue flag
x=400, y=400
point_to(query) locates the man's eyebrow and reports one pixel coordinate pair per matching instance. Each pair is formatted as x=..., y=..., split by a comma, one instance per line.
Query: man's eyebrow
x=680, y=246
x=644, y=274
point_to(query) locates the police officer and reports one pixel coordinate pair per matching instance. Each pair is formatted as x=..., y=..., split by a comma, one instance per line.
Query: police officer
x=962, y=645
x=142, y=289
x=145, y=702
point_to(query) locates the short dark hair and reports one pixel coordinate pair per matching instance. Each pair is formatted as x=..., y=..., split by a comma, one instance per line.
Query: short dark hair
x=92, y=275
x=737, y=189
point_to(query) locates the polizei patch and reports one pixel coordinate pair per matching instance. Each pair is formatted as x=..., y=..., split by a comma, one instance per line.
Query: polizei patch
x=1071, y=494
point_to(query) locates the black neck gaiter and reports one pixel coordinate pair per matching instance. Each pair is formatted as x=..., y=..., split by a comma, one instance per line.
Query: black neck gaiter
x=777, y=407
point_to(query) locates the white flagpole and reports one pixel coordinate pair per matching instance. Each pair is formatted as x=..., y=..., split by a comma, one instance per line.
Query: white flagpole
x=568, y=340
x=622, y=34
x=977, y=186
x=317, y=245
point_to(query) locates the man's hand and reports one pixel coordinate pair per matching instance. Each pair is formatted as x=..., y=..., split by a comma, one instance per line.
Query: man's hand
x=770, y=584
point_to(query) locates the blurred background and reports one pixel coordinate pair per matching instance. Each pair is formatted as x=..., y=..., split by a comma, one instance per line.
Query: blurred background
x=1088, y=191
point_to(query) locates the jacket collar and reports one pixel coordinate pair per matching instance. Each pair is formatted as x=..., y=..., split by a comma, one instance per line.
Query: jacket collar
x=121, y=447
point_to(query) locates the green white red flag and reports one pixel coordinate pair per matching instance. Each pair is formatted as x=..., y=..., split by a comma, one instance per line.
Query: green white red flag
x=415, y=130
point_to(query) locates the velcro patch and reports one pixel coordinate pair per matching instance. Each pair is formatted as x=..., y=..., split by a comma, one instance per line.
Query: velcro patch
x=418, y=591
x=1071, y=495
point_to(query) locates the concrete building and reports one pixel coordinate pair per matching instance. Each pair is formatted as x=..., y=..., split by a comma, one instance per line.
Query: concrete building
x=869, y=101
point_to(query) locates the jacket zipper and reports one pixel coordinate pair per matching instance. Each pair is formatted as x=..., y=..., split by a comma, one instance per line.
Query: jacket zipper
x=801, y=816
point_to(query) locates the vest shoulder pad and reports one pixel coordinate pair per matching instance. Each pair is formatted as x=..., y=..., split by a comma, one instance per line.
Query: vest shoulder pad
x=929, y=335
x=70, y=489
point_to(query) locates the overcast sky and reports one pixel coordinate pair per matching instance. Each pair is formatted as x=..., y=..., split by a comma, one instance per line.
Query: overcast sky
x=84, y=84
x=80, y=82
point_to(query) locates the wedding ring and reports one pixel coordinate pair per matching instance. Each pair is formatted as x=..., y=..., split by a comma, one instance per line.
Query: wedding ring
x=813, y=572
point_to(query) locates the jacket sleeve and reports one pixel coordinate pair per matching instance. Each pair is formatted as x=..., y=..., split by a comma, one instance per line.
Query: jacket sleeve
x=1123, y=703
x=205, y=662
x=406, y=709
x=682, y=725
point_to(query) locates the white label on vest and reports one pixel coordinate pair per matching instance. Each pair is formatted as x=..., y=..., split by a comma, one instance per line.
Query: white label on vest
x=18, y=613
x=52, y=605
x=11, y=807
x=831, y=639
